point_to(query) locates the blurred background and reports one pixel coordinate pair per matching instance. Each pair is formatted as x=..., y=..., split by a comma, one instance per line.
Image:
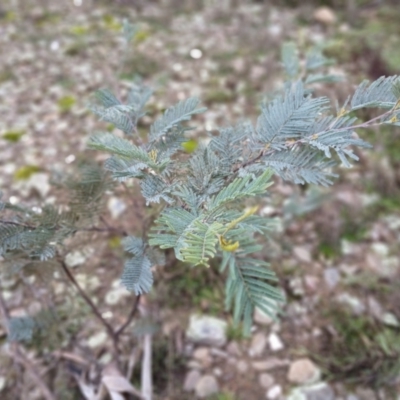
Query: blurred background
x=336, y=251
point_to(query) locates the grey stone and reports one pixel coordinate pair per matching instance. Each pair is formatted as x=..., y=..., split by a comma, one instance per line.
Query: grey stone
x=203, y=356
x=355, y=304
x=78, y=257
x=303, y=254
x=242, y=366
x=390, y=319
x=296, y=284
x=258, y=344
x=207, y=330
x=374, y=307
x=331, y=277
x=365, y=394
x=266, y=380
x=303, y=371
x=116, y=207
x=274, y=393
x=233, y=348
x=324, y=15
x=275, y=342
x=320, y=391
x=206, y=386
x=191, y=379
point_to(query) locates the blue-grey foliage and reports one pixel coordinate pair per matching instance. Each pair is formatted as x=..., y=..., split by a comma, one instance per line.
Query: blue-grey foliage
x=200, y=197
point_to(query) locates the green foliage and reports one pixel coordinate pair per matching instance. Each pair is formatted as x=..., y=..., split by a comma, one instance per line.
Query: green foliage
x=25, y=172
x=23, y=329
x=28, y=235
x=199, y=197
x=13, y=136
x=66, y=103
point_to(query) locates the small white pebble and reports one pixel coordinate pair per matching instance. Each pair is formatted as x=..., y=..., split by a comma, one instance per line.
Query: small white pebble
x=196, y=53
x=274, y=392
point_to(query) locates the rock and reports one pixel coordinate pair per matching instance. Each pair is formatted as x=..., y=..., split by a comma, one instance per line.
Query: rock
x=239, y=65
x=355, y=304
x=266, y=380
x=97, y=340
x=257, y=72
x=312, y=283
x=191, y=380
x=78, y=257
x=365, y=394
x=269, y=364
x=233, y=349
x=3, y=383
x=390, y=319
x=303, y=254
x=115, y=295
x=275, y=342
x=331, y=277
x=206, y=386
x=320, y=391
x=380, y=249
x=218, y=353
x=203, y=356
x=218, y=372
x=324, y=15
x=274, y=393
x=116, y=207
x=207, y=330
x=303, y=371
x=192, y=364
x=242, y=366
x=374, y=308
x=40, y=183
x=296, y=285
x=258, y=344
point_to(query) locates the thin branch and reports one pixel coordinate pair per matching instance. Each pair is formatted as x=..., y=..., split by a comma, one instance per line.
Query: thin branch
x=266, y=152
x=20, y=356
x=95, y=310
x=108, y=229
x=130, y=317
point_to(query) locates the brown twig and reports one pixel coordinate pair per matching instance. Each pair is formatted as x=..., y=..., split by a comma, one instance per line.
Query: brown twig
x=95, y=310
x=108, y=229
x=130, y=317
x=20, y=357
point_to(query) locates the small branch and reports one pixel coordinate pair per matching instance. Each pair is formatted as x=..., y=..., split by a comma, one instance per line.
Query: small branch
x=20, y=356
x=367, y=124
x=95, y=310
x=108, y=229
x=130, y=317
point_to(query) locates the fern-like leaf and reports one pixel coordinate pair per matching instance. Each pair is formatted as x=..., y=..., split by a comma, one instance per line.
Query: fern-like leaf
x=301, y=166
x=247, y=287
x=376, y=94
x=137, y=276
x=288, y=117
x=115, y=145
x=199, y=242
x=290, y=59
x=173, y=116
x=241, y=188
x=154, y=189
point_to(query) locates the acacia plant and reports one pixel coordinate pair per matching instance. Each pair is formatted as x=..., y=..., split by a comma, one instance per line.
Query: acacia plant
x=205, y=200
